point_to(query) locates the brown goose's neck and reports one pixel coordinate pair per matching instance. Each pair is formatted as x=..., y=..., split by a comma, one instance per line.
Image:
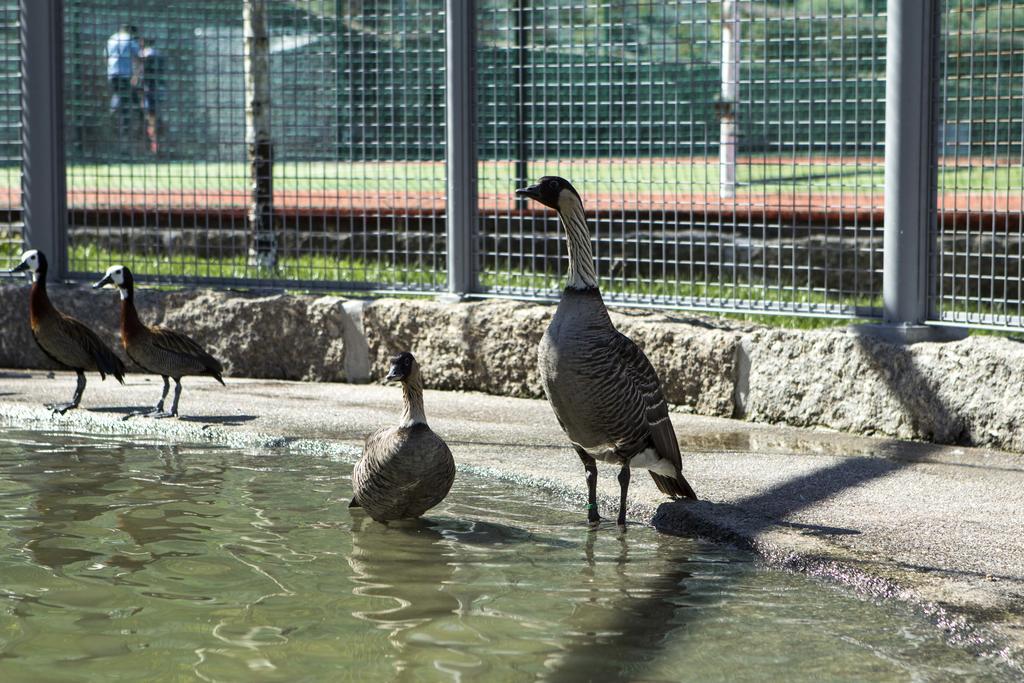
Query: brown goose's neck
x=412, y=393
x=582, y=274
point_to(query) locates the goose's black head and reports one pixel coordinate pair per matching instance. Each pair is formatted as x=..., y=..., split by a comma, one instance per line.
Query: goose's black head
x=117, y=275
x=550, y=191
x=33, y=261
x=402, y=367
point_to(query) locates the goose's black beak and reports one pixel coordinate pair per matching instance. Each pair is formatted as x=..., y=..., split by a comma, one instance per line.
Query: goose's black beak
x=105, y=281
x=23, y=266
x=533, y=192
x=393, y=374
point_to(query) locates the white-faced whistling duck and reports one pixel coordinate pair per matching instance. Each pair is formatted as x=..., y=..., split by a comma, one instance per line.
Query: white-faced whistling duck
x=156, y=349
x=65, y=340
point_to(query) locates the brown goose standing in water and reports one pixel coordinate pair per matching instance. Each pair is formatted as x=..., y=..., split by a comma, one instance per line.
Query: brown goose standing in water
x=405, y=470
x=605, y=393
x=64, y=339
x=156, y=349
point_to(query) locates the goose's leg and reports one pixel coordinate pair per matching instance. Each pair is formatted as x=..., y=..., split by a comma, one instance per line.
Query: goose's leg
x=75, y=400
x=624, y=485
x=174, y=403
x=590, y=465
x=158, y=408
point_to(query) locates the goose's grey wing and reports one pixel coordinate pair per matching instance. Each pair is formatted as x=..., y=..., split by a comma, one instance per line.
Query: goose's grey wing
x=645, y=385
x=402, y=472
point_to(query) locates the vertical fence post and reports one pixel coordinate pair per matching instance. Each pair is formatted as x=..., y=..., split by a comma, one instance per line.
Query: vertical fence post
x=460, y=145
x=911, y=162
x=43, y=185
x=730, y=99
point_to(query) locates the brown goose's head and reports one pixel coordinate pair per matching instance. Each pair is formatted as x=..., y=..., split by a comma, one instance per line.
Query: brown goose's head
x=32, y=261
x=117, y=275
x=403, y=368
x=551, y=191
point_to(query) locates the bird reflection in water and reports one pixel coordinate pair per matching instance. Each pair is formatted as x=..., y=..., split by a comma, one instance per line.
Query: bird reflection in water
x=69, y=493
x=167, y=521
x=403, y=574
x=91, y=482
x=627, y=608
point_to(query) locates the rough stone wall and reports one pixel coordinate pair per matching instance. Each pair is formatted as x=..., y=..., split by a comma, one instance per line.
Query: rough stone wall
x=491, y=346
x=964, y=392
x=274, y=337
x=485, y=346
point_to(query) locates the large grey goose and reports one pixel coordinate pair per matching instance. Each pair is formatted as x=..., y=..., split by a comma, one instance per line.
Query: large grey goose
x=157, y=349
x=407, y=469
x=64, y=339
x=605, y=393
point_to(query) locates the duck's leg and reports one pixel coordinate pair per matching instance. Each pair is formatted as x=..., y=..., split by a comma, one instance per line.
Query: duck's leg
x=62, y=408
x=158, y=408
x=590, y=466
x=624, y=485
x=174, y=403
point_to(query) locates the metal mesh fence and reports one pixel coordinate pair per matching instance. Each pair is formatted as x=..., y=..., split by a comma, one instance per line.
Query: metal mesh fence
x=10, y=131
x=160, y=174
x=977, y=250
x=730, y=154
x=627, y=100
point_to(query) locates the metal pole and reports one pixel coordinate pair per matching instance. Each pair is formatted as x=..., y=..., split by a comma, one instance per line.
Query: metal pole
x=730, y=98
x=911, y=162
x=43, y=183
x=460, y=145
x=910, y=158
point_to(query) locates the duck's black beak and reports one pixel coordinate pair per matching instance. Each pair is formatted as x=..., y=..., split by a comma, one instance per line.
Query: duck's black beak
x=105, y=281
x=23, y=266
x=533, y=192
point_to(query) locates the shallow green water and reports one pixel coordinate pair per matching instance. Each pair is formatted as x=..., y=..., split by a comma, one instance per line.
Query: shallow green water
x=131, y=560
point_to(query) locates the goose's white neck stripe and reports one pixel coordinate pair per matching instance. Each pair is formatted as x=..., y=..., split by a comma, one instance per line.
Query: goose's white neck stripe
x=582, y=274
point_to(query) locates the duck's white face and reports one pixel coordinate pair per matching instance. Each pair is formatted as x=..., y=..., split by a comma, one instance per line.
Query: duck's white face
x=30, y=260
x=116, y=275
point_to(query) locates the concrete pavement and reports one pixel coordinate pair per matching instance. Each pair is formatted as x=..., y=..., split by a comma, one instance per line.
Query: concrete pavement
x=937, y=527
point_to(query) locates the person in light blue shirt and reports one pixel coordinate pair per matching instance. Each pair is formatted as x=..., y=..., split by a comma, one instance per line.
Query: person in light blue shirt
x=123, y=63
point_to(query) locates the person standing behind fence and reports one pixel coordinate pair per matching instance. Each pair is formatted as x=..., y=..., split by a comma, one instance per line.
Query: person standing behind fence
x=153, y=66
x=123, y=62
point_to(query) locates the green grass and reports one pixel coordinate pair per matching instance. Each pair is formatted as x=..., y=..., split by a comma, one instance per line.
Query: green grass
x=335, y=273
x=592, y=176
x=88, y=259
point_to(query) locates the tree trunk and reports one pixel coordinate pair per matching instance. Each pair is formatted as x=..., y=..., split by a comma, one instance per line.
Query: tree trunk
x=729, y=102
x=259, y=146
